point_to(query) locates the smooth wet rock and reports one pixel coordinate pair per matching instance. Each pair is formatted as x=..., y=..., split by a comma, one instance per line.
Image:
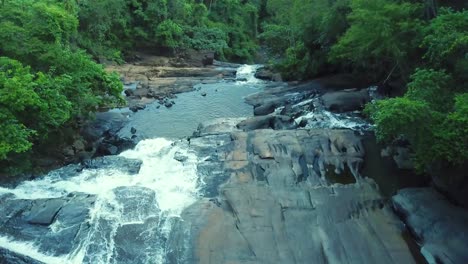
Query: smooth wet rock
x=9, y=257
x=168, y=104
x=56, y=224
x=131, y=166
x=347, y=100
x=44, y=212
x=439, y=226
x=142, y=236
x=265, y=122
x=79, y=145
x=265, y=109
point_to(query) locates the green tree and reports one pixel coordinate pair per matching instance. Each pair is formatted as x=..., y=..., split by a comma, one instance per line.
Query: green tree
x=446, y=42
x=383, y=35
x=31, y=105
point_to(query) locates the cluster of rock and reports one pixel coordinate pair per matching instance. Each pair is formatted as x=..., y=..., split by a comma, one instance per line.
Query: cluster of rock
x=147, y=79
x=276, y=194
x=153, y=78
x=269, y=200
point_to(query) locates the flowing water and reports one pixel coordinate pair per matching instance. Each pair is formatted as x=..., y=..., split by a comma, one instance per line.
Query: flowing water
x=143, y=205
x=157, y=194
x=134, y=212
x=208, y=102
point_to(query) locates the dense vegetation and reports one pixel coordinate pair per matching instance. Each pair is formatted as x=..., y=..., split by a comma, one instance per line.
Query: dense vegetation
x=420, y=44
x=50, y=78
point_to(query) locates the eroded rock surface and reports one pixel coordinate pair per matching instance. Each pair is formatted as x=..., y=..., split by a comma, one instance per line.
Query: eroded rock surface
x=268, y=200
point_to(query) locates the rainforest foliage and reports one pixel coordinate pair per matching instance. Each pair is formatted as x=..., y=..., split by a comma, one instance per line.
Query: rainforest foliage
x=420, y=44
x=50, y=77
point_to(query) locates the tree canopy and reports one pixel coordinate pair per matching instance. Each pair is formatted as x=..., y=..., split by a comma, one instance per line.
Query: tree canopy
x=50, y=75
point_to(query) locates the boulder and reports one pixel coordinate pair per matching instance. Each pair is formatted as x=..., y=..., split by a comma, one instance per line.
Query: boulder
x=168, y=104
x=198, y=58
x=56, y=225
x=452, y=181
x=264, y=122
x=439, y=226
x=345, y=101
x=264, y=109
x=130, y=166
x=264, y=74
x=129, y=92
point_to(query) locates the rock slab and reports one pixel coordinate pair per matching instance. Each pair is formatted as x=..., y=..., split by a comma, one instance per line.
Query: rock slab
x=440, y=227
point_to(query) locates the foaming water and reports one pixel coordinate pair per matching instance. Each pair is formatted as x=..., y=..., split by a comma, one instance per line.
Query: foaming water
x=326, y=119
x=246, y=75
x=150, y=200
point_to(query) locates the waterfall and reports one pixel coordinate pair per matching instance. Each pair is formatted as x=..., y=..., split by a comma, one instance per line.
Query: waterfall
x=246, y=74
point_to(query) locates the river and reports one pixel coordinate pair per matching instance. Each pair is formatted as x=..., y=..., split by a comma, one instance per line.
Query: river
x=123, y=209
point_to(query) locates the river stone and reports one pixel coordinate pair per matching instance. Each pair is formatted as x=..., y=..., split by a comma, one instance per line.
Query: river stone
x=275, y=204
x=439, y=226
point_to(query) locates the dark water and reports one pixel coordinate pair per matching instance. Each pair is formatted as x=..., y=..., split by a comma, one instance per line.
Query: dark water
x=388, y=177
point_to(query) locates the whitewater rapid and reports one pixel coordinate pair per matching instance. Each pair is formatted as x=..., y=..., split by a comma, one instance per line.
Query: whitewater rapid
x=174, y=184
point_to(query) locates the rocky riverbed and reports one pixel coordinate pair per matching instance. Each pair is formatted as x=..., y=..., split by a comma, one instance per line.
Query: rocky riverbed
x=294, y=180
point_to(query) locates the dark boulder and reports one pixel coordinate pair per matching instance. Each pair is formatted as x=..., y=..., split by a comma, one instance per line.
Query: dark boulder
x=452, y=181
x=137, y=107
x=10, y=257
x=264, y=109
x=267, y=74
x=131, y=166
x=198, y=58
x=345, y=101
x=168, y=104
x=264, y=122
x=129, y=92
x=33, y=220
x=438, y=225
